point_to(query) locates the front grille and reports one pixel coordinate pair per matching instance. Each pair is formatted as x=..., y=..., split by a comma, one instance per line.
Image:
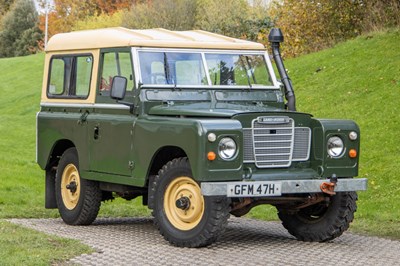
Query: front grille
x=271, y=144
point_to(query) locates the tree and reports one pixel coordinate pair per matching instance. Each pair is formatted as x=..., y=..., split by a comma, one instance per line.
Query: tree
x=100, y=21
x=68, y=15
x=110, y=7
x=169, y=14
x=20, y=34
x=235, y=18
x=313, y=25
x=5, y=6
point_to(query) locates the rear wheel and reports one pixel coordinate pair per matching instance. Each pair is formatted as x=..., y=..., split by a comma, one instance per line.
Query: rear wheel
x=78, y=200
x=323, y=221
x=182, y=215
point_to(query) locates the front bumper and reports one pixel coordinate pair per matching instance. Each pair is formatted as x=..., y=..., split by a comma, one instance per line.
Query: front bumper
x=290, y=186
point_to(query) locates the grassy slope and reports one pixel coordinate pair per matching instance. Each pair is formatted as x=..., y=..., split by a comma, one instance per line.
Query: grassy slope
x=22, y=181
x=358, y=80
x=21, y=186
x=20, y=194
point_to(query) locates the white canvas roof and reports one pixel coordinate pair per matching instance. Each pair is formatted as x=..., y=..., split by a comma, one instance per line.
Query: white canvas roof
x=123, y=37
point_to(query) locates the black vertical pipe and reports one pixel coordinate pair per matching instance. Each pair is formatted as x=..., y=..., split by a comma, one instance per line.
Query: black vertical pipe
x=275, y=38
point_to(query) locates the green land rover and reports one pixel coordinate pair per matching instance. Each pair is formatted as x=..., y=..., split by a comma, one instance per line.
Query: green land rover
x=195, y=123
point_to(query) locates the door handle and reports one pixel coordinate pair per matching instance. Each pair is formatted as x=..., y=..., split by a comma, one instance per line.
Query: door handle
x=96, y=132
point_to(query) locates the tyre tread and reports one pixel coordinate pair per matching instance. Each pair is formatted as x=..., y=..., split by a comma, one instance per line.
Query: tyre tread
x=91, y=196
x=337, y=225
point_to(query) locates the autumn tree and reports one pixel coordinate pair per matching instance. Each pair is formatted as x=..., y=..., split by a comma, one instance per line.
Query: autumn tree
x=313, y=25
x=100, y=21
x=68, y=15
x=110, y=7
x=5, y=7
x=20, y=34
x=169, y=14
x=235, y=18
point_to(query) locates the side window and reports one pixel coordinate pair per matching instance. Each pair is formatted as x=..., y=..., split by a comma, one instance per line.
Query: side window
x=70, y=76
x=83, y=76
x=115, y=64
x=56, y=84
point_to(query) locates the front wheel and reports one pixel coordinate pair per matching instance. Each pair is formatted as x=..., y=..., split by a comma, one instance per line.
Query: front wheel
x=182, y=215
x=78, y=200
x=322, y=221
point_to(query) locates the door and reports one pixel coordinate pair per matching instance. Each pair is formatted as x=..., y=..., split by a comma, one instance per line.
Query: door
x=111, y=124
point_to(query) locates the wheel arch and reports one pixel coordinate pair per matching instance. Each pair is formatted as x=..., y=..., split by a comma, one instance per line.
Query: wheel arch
x=163, y=156
x=57, y=150
x=160, y=158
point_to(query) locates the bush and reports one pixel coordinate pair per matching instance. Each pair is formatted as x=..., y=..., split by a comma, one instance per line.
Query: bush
x=310, y=25
x=379, y=14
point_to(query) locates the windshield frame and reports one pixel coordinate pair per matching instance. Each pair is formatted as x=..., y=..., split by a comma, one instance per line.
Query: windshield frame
x=203, y=52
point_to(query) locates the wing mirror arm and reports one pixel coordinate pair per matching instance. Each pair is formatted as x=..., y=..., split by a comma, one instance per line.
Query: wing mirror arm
x=118, y=91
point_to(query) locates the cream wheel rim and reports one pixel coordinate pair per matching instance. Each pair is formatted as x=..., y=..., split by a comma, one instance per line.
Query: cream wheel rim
x=189, y=215
x=70, y=186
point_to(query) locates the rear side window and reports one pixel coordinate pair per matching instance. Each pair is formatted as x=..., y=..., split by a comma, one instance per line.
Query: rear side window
x=70, y=76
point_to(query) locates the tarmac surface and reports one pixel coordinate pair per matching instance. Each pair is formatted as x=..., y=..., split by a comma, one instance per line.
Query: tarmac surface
x=135, y=241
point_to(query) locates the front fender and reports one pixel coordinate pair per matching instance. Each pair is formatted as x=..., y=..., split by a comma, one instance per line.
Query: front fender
x=322, y=130
x=152, y=133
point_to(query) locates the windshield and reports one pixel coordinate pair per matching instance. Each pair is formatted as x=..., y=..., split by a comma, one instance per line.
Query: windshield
x=237, y=69
x=172, y=68
x=217, y=69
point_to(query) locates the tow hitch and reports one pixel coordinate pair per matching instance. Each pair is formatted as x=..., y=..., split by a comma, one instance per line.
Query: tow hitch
x=329, y=187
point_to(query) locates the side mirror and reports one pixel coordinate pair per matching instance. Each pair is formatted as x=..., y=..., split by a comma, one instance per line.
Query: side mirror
x=118, y=87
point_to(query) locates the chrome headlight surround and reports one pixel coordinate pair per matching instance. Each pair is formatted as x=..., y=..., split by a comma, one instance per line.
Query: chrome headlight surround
x=335, y=147
x=227, y=148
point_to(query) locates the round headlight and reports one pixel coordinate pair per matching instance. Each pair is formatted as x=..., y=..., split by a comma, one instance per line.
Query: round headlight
x=227, y=148
x=335, y=146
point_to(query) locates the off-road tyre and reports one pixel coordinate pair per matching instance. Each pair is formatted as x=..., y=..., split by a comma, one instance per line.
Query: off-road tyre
x=321, y=222
x=81, y=205
x=200, y=226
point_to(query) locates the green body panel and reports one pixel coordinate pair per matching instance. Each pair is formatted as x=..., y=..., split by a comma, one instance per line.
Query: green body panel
x=153, y=134
x=322, y=130
x=56, y=125
x=125, y=146
x=110, y=142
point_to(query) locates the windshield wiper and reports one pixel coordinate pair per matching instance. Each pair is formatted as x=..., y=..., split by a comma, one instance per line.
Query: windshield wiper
x=167, y=72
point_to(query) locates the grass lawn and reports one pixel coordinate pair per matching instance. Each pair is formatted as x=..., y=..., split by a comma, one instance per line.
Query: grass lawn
x=358, y=80
x=22, y=246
